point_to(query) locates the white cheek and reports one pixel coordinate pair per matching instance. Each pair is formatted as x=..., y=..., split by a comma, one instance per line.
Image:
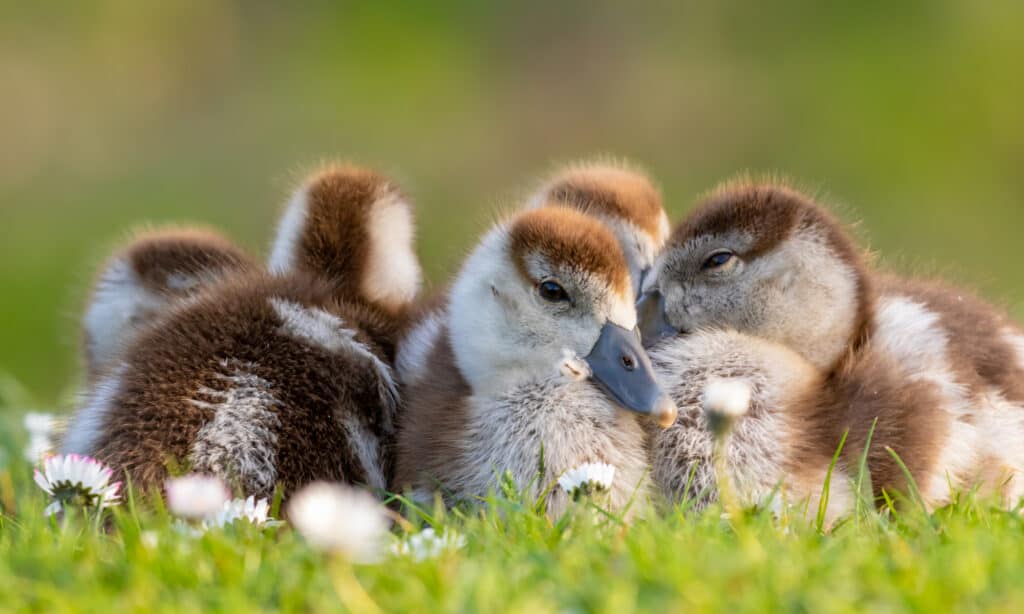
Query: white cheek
x=485, y=319
x=674, y=294
x=579, y=336
x=810, y=302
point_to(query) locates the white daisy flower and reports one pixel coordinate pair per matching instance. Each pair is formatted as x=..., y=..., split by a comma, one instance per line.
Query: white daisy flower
x=188, y=529
x=427, y=544
x=340, y=519
x=38, y=448
x=41, y=428
x=196, y=496
x=249, y=509
x=38, y=423
x=587, y=479
x=74, y=479
x=150, y=539
x=724, y=401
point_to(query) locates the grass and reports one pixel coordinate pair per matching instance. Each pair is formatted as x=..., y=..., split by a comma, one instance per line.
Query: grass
x=965, y=557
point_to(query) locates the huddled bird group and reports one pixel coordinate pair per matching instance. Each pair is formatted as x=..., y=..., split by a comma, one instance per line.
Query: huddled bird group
x=582, y=328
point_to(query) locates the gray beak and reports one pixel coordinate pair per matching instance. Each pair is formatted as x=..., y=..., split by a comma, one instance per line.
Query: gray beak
x=622, y=369
x=650, y=311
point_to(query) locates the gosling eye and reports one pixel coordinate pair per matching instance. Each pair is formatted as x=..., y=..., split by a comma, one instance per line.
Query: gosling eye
x=552, y=292
x=718, y=260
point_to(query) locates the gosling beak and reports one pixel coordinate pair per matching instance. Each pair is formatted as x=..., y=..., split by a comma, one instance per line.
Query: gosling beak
x=622, y=369
x=650, y=311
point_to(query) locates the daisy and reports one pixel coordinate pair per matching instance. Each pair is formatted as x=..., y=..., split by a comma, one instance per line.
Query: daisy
x=587, y=479
x=41, y=424
x=196, y=496
x=40, y=429
x=428, y=544
x=724, y=401
x=77, y=480
x=37, y=449
x=340, y=519
x=251, y=510
x=150, y=539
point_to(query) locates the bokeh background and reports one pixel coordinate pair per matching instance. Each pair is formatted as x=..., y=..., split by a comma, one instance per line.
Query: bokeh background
x=115, y=114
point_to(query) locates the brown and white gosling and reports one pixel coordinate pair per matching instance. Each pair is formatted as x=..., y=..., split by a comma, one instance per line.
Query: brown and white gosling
x=268, y=380
x=941, y=371
x=536, y=361
x=140, y=282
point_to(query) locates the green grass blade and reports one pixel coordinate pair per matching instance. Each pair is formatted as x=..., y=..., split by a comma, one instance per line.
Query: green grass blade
x=864, y=488
x=819, y=522
x=912, y=489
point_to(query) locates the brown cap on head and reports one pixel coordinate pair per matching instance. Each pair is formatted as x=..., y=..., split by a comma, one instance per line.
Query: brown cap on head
x=165, y=259
x=612, y=190
x=770, y=212
x=569, y=238
x=353, y=227
x=142, y=281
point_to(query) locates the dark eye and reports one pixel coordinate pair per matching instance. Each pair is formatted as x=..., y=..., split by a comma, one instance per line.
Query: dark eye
x=551, y=291
x=718, y=260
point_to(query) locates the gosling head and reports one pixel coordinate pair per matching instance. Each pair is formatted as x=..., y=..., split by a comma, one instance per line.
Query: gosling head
x=547, y=294
x=144, y=279
x=623, y=198
x=766, y=260
x=352, y=227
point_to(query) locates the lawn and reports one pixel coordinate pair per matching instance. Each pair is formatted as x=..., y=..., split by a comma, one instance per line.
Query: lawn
x=905, y=117
x=966, y=557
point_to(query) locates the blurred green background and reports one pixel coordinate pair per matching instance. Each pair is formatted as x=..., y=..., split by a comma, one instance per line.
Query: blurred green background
x=120, y=113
